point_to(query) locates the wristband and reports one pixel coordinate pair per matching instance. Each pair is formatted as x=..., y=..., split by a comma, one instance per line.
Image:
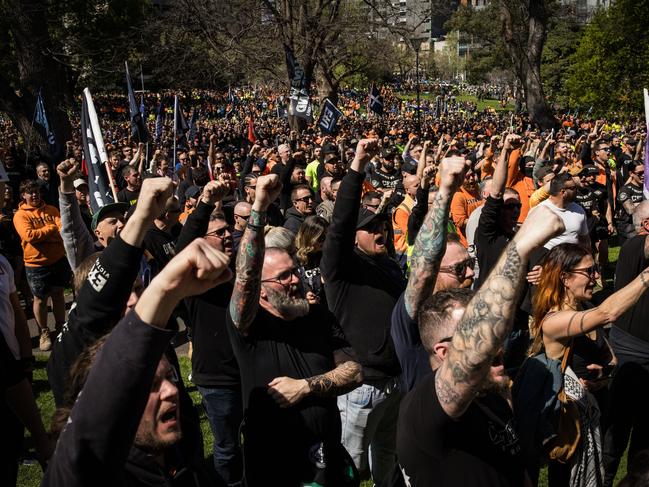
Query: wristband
x=257, y=219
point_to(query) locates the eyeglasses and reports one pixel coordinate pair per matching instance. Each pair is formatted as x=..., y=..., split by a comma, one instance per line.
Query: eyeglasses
x=590, y=272
x=285, y=277
x=245, y=217
x=458, y=269
x=304, y=199
x=218, y=233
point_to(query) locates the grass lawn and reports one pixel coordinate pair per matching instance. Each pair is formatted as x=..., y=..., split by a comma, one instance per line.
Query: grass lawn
x=482, y=104
x=30, y=475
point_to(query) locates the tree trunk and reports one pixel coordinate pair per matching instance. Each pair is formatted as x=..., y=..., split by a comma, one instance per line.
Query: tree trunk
x=537, y=107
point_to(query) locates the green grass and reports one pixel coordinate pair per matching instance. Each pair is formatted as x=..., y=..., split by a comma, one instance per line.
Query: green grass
x=30, y=475
x=482, y=104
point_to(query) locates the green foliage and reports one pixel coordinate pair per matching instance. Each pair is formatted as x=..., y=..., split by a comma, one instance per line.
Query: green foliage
x=562, y=41
x=611, y=65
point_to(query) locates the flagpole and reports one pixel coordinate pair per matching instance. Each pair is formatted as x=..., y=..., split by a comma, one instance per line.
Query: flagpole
x=99, y=141
x=146, y=150
x=175, y=133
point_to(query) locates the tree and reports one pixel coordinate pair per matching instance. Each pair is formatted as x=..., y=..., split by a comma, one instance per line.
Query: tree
x=524, y=27
x=52, y=47
x=611, y=65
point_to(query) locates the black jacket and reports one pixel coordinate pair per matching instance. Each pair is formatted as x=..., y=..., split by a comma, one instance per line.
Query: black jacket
x=293, y=220
x=361, y=290
x=96, y=446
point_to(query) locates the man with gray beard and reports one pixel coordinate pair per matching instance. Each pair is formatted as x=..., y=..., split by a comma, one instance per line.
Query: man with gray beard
x=293, y=360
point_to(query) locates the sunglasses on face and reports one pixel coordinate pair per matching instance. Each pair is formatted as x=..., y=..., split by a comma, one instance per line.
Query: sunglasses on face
x=304, y=199
x=219, y=233
x=459, y=269
x=590, y=272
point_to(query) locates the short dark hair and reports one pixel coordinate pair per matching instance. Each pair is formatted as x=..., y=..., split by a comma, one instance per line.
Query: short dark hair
x=297, y=188
x=249, y=177
x=27, y=186
x=200, y=176
x=435, y=314
x=371, y=195
x=559, y=182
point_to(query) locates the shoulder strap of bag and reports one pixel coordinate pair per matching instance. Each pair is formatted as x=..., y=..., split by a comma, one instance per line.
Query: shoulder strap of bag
x=567, y=354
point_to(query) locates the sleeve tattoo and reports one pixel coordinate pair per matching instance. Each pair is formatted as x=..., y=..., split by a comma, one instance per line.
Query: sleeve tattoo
x=482, y=330
x=245, y=296
x=427, y=254
x=345, y=377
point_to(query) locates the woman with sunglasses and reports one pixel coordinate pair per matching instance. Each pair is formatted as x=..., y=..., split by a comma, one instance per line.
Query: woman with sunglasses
x=565, y=322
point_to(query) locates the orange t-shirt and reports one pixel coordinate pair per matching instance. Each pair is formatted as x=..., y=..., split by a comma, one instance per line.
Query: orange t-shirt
x=462, y=205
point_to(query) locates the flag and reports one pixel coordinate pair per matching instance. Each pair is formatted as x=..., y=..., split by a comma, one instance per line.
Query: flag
x=40, y=117
x=280, y=108
x=138, y=127
x=159, y=121
x=95, y=155
x=329, y=116
x=192, y=125
x=375, y=102
x=180, y=125
x=646, y=144
x=300, y=104
x=252, y=137
x=231, y=98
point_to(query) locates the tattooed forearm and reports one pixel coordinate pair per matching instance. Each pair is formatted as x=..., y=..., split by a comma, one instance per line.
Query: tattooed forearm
x=245, y=296
x=481, y=332
x=427, y=254
x=346, y=377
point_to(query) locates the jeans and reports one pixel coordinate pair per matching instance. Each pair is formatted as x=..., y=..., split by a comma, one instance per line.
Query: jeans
x=369, y=426
x=224, y=412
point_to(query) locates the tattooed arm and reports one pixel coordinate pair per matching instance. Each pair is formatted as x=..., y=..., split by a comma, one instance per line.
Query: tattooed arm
x=488, y=317
x=250, y=258
x=573, y=323
x=430, y=244
x=347, y=376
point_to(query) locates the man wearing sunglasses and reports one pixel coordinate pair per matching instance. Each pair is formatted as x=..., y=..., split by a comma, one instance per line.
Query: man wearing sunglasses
x=293, y=360
x=628, y=198
x=303, y=206
x=437, y=263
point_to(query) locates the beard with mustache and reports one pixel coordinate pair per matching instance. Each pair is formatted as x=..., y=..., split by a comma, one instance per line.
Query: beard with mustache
x=290, y=305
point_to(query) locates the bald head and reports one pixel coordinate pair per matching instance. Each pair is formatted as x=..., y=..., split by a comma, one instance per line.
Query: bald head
x=641, y=216
x=410, y=184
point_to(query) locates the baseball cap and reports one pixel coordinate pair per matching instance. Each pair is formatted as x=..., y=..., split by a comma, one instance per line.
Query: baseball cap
x=367, y=217
x=589, y=170
x=105, y=210
x=192, y=192
x=79, y=182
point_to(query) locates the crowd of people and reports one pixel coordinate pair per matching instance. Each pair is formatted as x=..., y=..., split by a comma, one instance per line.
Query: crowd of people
x=419, y=299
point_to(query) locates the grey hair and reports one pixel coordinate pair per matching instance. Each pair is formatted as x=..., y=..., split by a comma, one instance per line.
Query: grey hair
x=640, y=213
x=280, y=237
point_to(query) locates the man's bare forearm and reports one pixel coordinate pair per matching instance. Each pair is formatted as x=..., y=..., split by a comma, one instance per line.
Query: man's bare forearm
x=427, y=254
x=245, y=296
x=346, y=377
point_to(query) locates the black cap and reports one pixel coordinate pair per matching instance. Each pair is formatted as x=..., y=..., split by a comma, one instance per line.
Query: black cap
x=589, y=170
x=105, y=210
x=388, y=153
x=329, y=149
x=367, y=217
x=192, y=192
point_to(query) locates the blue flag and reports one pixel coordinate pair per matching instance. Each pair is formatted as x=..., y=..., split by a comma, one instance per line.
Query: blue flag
x=139, y=132
x=375, y=102
x=159, y=121
x=40, y=117
x=329, y=116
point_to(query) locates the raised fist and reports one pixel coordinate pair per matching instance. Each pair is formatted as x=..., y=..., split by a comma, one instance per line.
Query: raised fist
x=452, y=171
x=267, y=191
x=214, y=191
x=153, y=198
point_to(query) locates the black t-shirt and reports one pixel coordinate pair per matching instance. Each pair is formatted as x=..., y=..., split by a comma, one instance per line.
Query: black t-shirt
x=275, y=437
x=382, y=180
x=213, y=362
x=127, y=196
x=481, y=448
x=413, y=357
x=593, y=198
x=629, y=265
x=490, y=240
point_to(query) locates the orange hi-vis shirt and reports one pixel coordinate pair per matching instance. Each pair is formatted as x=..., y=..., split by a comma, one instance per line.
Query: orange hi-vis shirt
x=462, y=205
x=38, y=228
x=518, y=181
x=400, y=223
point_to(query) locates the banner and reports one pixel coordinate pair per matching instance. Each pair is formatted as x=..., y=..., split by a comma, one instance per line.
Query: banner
x=95, y=156
x=180, y=124
x=139, y=132
x=329, y=116
x=192, y=126
x=40, y=117
x=300, y=104
x=375, y=102
x=646, y=145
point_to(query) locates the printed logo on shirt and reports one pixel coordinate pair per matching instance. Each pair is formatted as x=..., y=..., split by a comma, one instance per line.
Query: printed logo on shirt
x=169, y=249
x=504, y=437
x=98, y=277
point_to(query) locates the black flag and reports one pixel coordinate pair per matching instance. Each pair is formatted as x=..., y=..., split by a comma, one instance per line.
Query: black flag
x=94, y=154
x=329, y=116
x=139, y=132
x=300, y=105
x=375, y=102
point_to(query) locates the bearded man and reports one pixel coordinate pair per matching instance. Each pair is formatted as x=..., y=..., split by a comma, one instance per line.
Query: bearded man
x=293, y=360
